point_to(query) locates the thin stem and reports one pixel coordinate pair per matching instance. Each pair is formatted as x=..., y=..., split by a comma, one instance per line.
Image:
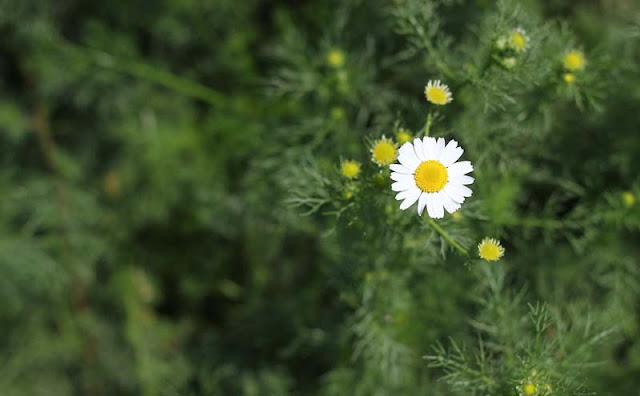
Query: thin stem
x=447, y=237
x=427, y=125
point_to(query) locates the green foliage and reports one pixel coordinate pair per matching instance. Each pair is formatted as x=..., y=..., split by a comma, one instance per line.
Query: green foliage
x=174, y=220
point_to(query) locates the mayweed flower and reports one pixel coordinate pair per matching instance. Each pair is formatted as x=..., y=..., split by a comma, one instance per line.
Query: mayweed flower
x=569, y=78
x=628, y=198
x=350, y=169
x=527, y=389
x=429, y=174
x=335, y=58
x=490, y=249
x=383, y=151
x=533, y=385
x=437, y=93
x=518, y=40
x=574, y=60
x=403, y=136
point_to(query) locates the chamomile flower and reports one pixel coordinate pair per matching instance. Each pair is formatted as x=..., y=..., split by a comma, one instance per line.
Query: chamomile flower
x=527, y=388
x=490, y=249
x=403, y=136
x=429, y=175
x=574, y=60
x=335, y=58
x=569, y=78
x=384, y=151
x=350, y=169
x=437, y=93
x=628, y=198
x=518, y=40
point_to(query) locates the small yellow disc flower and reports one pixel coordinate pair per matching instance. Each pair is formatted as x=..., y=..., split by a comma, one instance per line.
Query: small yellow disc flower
x=490, y=249
x=335, y=58
x=529, y=389
x=574, y=60
x=569, y=78
x=384, y=151
x=350, y=169
x=628, y=198
x=518, y=40
x=437, y=93
x=403, y=136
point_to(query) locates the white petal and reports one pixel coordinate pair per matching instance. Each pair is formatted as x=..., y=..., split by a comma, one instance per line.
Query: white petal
x=460, y=168
x=422, y=203
x=402, y=195
x=403, y=176
x=453, y=194
x=430, y=205
x=459, y=189
x=425, y=154
x=438, y=209
x=461, y=179
x=438, y=150
x=411, y=199
x=448, y=203
x=429, y=146
x=417, y=147
x=408, y=156
x=451, y=153
x=401, y=169
x=403, y=185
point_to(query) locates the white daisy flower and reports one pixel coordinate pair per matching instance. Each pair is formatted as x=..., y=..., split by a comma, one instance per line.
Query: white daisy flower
x=437, y=93
x=429, y=174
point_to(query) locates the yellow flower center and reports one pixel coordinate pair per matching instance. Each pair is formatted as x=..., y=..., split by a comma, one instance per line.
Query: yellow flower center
x=335, y=58
x=350, y=169
x=574, y=60
x=384, y=152
x=529, y=389
x=569, y=78
x=437, y=95
x=490, y=250
x=628, y=198
x=431, y=176
x=403, y=136
x=519, y=41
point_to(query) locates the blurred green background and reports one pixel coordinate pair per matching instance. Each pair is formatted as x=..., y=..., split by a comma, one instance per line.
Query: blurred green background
x=148, y=245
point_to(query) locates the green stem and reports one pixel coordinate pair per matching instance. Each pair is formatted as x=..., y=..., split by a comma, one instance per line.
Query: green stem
x=427, y=125
x=447, y=237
